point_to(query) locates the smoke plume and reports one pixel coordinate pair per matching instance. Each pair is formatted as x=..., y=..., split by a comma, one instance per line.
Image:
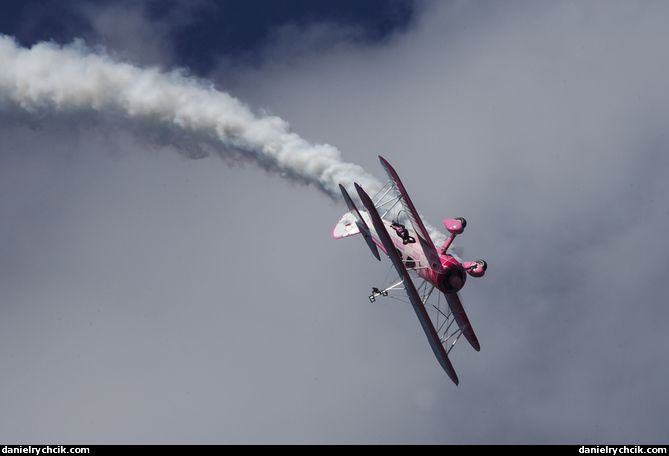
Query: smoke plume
x=186, y=111
x=73, y=79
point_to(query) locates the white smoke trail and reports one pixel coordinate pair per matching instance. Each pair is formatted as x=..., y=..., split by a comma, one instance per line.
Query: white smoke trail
x=72, y=78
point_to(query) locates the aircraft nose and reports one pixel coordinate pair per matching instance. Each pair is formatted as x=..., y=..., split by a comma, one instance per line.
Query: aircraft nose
x=453, y=279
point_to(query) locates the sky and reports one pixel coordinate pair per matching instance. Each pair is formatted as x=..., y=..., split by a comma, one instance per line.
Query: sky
x=164, y=281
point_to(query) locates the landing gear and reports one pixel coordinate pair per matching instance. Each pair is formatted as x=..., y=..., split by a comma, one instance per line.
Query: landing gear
x=376, y=292
x=475, y=268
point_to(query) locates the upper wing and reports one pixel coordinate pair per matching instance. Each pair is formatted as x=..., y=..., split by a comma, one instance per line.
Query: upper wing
x=431, y=253
x=409, y=287
x=421, y=232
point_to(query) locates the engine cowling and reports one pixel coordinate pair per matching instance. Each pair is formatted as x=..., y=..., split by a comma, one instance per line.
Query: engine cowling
x=453, y=276
x=453, y=279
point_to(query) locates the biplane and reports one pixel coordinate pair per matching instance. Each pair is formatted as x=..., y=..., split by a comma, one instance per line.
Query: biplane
x=389, y=222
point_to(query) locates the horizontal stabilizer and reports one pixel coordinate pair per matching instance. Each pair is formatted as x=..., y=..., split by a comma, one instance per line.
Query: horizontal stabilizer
x=345, y=227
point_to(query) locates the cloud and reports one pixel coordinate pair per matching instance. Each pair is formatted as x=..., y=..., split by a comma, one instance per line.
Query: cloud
x=127, y=30
x=162, y=300
x=541, y=126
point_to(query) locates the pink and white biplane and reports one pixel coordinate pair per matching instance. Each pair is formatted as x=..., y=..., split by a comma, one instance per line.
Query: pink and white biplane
x=383, y=225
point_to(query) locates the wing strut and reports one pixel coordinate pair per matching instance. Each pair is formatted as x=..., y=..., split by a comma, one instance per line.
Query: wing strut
x=417, y=303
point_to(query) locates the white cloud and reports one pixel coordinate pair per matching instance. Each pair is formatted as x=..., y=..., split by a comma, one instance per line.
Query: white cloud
x=180, y=301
